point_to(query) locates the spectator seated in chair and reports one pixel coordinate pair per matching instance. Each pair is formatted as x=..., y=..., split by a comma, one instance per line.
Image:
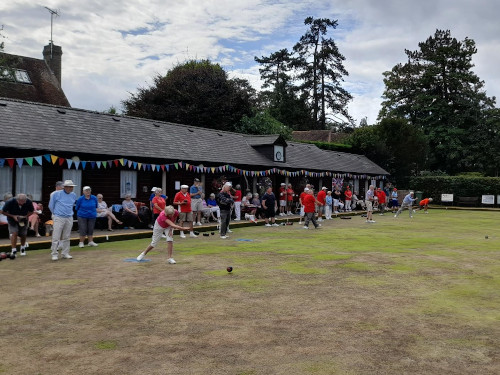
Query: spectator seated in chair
x=130, y=213
x=248, y=208
x=34, y=219
x=104, y=214
x=210, y=207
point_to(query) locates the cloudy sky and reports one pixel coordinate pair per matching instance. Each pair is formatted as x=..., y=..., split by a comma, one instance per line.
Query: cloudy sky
x=112, y=47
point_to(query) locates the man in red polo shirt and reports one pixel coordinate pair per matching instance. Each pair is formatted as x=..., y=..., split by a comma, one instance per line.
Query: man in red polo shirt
x=424, y=204
x=289, y=199
x=322, y=203
x=183, y=200
x=348, y=198
x=309, y=208
x=381, y=200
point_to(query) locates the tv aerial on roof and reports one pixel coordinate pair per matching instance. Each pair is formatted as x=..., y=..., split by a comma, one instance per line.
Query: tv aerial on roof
x=52, y=14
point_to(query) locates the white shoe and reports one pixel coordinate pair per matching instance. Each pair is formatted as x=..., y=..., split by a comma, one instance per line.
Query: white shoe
x=192, y=235
x=198, y=223
x=182, y=235
x=320, y=219
x=229, y=230
x=395, y=215
x=23, y=252
x=268, y=225
x=55, y=257
x=306, y=227
x=275, y=225
x=372, y=221
x=66, y=256
x=318, y=225
x=171, y=261
x=141, y=256
x=81, y=244
x=224, y=237
x=92, y=243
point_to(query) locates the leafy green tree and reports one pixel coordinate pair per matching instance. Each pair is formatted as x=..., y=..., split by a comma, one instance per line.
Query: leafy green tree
x=194, y=93
x=263, y=123
x=394, y=144
x=437, y=91
x=320, y=67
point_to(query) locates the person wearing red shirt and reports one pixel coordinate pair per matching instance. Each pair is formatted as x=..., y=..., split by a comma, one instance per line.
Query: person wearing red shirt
x=321, y=198
x=289, y=199
x=348, y=198
x=301, y=201
x=282, y=199
x=165, y=220
x=237, y=202
x=183, y=200
x=158, y=203
x=309, y=203
x=424, y=204
x=381, y=200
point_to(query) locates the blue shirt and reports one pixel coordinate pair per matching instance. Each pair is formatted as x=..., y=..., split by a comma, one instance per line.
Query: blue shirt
x=195, y=189
x=329, y=200
x=211, y=202
x=61, y=203
x=86, y=208
x=408, y=199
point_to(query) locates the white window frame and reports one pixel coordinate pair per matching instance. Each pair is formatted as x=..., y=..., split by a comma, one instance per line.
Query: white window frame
x=29, y=181
x=128, y=183
x=74, y=175
x=5, y=181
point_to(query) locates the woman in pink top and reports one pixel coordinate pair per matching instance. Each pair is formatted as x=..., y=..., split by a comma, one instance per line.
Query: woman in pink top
x=166, y=220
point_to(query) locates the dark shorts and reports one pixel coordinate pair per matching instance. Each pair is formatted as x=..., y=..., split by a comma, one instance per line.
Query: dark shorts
x=86, y=226
x=270, y=212
x=19, y=230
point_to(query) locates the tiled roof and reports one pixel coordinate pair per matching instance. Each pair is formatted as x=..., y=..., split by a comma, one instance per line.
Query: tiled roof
x=39, y=128
x=261, y=140
x=44, y=86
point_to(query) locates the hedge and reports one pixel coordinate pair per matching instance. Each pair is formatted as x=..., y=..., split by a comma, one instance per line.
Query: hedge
x=459, y=186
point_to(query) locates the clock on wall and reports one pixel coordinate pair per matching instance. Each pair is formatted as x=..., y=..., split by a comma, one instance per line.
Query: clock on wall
x=278, y=153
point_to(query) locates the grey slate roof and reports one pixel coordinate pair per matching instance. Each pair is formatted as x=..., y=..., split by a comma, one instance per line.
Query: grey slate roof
x=35, y=129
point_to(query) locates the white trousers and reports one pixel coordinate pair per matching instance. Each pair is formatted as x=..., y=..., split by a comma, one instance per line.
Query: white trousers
x=237, y=210
x=61, y=234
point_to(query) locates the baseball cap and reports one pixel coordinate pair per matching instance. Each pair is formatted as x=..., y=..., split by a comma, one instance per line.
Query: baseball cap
x=154, y=189
x=184, y=187
x=228, y=184
x=86, y=188
x=196, y=180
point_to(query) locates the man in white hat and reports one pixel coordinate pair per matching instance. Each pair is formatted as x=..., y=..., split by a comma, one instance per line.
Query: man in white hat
x=61, y=205
x=183, y=200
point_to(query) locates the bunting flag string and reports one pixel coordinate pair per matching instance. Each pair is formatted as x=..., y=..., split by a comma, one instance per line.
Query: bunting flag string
x=122, y=162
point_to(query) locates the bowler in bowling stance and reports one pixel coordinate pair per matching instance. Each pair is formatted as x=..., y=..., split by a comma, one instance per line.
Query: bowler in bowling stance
x=166, y=220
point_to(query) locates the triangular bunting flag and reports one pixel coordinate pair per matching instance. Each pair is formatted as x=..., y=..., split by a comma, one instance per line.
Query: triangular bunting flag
x=167, y=167
x=61, y=161
x=162, y=167
x=53, y=158
x=47, y=157
x=122, y=162
x=38, y=159
x=176, y=165
x=29, y=161
x=2, y=162
x=77, y=164
x=92, y=164
x=135, y=164
x=116, y=162
x=98, y=164
x=139, y=165
x=105, y=164
x=130, y=163
x=11, y=162
x=84, y=163
x=70, y=163
x=20, y=162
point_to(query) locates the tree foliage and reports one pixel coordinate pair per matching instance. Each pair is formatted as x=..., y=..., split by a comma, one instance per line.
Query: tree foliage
x=394, y=144
x=437, y=91
x=263, y=123
x=194, y=93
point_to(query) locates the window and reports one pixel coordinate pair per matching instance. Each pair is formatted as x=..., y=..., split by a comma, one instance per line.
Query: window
x=74, y=175
x=22, y=76
x=128, y=183
x=5, y=181
x=29, y=181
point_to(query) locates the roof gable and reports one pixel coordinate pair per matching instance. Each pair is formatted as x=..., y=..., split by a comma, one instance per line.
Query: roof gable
x=44, y=86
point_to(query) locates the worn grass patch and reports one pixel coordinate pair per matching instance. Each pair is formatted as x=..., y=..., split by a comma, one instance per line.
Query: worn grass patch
x=400, y=296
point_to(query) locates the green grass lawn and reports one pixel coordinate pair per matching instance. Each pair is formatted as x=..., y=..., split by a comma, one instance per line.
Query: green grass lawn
x=401, y=296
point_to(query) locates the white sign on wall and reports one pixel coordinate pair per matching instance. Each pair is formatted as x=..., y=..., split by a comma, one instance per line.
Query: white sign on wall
x=488, y=199
x=446, y=197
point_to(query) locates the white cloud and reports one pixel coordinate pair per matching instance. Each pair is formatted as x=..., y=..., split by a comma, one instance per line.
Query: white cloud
x=112, y=47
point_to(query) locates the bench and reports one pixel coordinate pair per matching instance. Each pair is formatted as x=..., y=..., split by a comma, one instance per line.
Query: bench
x=468, y=201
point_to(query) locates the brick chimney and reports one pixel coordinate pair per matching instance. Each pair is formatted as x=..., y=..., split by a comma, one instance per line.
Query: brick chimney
x=52, y=55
